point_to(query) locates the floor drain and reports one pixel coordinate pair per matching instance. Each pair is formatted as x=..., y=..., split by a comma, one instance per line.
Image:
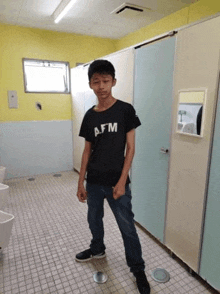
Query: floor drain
x=31, y=179
x=160, y=275
x=57, y=175
x=100, y=277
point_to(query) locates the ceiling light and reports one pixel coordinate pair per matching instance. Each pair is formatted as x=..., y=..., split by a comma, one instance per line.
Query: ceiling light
x=62, y=9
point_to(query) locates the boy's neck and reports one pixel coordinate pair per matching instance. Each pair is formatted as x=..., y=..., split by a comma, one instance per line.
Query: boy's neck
x=105, y=104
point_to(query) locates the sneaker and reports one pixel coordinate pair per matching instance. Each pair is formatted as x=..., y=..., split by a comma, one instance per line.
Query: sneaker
x=87, y=255
x=142, y=283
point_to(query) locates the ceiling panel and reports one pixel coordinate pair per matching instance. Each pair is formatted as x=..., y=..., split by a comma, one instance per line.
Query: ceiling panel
x=9, y=10
x=38, y=9
x=90, y=17
x=7, y=6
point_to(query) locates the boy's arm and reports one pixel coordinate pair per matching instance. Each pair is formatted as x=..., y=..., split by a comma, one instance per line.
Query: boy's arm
x=81, y=193
x=119, y=189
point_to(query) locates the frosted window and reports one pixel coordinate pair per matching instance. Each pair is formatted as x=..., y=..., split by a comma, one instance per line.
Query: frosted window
x=46, y=76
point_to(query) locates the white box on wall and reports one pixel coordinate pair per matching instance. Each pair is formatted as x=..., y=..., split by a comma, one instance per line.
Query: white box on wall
x=12, y=99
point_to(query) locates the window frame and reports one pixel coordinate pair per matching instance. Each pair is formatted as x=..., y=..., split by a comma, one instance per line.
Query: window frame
x=46, y=92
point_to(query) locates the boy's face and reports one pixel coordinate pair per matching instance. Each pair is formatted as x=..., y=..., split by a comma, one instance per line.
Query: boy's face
x=102, y=85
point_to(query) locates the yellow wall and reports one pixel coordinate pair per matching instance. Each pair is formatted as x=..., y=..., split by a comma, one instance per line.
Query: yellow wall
x=19, y=42
x=194, y=12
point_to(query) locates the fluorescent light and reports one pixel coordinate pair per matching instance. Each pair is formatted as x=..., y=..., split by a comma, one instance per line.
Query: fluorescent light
x=63, y=11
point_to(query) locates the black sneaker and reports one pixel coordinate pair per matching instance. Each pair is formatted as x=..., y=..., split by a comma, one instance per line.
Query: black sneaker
x=142, y=283
x=87, y=255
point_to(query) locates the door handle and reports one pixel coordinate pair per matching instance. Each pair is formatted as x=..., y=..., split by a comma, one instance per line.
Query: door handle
x=163, y=150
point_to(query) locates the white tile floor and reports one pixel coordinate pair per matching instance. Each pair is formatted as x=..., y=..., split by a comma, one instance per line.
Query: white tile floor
x=50, y=228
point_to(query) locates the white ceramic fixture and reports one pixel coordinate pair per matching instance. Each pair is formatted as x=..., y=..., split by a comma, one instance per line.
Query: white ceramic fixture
x=6, y=223
x=4, y=192
x=2, y=173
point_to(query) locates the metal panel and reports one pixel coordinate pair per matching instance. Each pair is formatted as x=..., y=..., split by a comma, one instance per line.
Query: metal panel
x=210, y=256
x=154, y=65
x=196, y=67
x=79, y=89
x=124, y=68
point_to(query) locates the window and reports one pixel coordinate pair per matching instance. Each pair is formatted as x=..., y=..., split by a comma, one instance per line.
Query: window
x=43, y=76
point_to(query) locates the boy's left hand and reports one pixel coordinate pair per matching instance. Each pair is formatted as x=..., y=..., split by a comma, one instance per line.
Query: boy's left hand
x=118, y=191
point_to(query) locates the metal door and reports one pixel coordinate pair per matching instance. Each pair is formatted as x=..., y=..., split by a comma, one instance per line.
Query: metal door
x=153, y=89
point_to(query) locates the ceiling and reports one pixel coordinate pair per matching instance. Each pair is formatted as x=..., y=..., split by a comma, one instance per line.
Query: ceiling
x=88, y=17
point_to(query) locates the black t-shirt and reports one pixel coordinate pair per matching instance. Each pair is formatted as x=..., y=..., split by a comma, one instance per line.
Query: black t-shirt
x=106, y=131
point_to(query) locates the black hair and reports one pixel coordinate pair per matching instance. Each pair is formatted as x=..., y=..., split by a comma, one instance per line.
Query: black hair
x=101, y=66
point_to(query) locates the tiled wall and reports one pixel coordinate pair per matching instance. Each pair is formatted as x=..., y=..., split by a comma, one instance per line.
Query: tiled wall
x=36, y=147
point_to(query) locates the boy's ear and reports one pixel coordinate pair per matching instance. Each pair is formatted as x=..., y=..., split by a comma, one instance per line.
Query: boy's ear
x=90, y=85
x=114, y=82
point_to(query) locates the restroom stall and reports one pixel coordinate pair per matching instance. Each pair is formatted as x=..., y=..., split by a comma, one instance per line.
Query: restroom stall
x=196, y=77
x=175, y=171
x=83, y=97
x=79, y=88
x=170, y=171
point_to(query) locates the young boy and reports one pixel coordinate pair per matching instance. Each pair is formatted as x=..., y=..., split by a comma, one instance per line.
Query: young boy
x=108, y=128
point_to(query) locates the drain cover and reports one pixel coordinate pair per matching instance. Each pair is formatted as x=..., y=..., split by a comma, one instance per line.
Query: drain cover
x=31, y=179
x=160, y=275
x=57, y=175
x=100, y=277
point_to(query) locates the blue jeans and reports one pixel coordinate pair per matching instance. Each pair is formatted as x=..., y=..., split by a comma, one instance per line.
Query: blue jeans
x=122, y=210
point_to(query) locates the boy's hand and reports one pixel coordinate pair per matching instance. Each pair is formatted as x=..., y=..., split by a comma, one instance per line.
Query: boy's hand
x=118, y=190
x=82, y=194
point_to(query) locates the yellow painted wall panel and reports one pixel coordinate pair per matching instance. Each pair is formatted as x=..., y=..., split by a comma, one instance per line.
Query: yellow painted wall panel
x=19, y=42
x=191, y=97
x=202, y=9
x=194, y=12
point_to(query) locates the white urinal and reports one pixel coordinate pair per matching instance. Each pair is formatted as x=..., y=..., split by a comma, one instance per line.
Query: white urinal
x=2, y=173
x=6, y=219
x=6, y=223
x=4, y=192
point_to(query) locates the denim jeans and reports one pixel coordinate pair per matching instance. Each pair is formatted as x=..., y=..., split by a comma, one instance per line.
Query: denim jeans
x=122, y=210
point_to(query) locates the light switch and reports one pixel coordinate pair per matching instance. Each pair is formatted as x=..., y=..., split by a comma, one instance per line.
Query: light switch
x=12, y=99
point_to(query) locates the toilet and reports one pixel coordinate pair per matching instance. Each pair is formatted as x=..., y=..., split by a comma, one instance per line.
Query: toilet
x=6, y=223
x=6, y=219
x=4, y=192
x=2, y=173
x=4, y=189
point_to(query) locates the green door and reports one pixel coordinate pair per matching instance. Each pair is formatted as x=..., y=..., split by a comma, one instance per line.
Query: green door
x=153, y=96
x=210, y=257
